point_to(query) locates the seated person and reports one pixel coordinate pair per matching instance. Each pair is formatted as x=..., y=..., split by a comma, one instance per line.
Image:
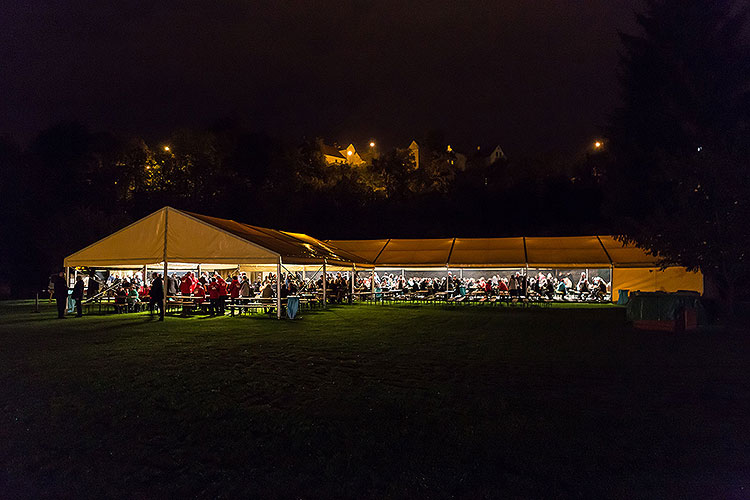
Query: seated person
x=599, y=289
x=583, y=284
x=133, y=298
x=246, y=289
x=199, y=293
x=121, y=299
x=267, y=291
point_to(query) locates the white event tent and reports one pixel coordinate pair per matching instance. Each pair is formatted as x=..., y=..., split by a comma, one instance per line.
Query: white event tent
x=631, y=268
x=173, y=238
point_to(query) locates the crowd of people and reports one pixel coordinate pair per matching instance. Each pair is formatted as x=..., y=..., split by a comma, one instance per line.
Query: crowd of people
x=208, y=291
x=516, y=284
x=212, y=292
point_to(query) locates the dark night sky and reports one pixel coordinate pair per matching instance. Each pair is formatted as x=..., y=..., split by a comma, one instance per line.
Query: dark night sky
x=530, y=75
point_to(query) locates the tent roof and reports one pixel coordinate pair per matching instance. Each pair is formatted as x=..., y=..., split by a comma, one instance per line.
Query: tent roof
x=418, y=253
x=570, y=251
x=536, y=252
x=367, y=249
x=295, y=248
x=488, y=252
x=195, y=238
x=629, y=256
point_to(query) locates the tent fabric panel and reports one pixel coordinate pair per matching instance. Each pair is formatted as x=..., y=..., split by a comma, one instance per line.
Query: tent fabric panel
x=488, y=252
x=190, y=240
x=291, y=248
x=654, y=279
x=366, y=249
x=139, y=243
x=622, y=255
x=337, y=254
x=569, y=252
x=268, y=240
x=426, y=252
x=302, y=250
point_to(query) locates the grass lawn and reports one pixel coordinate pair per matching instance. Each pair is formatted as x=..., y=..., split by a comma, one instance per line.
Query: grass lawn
x=371, y=402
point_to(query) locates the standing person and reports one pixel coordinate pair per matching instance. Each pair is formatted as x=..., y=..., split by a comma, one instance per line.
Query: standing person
x=61, y=294
x=78, y=296
x=213, y=295
x=186, y=285
x=223, y=293
x=51, y=287
x=234, y=289
x=171, y=285
x=199, y=293
x=245, y=288
x=513, y=285
x=157, y=296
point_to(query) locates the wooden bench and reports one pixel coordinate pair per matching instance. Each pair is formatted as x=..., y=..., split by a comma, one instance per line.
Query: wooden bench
x=250, y=306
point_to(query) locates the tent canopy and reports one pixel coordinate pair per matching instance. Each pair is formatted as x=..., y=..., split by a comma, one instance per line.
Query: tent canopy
x=542, y=252
x=573, y=251
x=418, y=253
x=488, y=252
x=634, y=269
x=627, y=256
x=177, y=236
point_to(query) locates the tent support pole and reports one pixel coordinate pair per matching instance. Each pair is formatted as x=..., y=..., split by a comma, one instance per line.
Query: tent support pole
x=278, y=288
x=325, y=278
x=165, y=288
x=67, y=276
x=372, y=284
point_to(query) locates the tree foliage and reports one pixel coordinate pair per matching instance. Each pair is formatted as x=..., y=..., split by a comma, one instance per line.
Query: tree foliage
x=678, y=182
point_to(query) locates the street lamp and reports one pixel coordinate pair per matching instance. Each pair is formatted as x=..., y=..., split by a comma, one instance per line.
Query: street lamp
x=372, y=144
x=166, y=148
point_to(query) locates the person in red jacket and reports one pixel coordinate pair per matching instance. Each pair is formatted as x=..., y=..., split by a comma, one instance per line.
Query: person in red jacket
x=223, y=293
x=199, y=293
x=186, y=285
x=234, y=289
x=213, y=294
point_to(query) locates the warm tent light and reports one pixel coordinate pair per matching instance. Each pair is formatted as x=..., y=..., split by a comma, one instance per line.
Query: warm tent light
x=166, y=148
x=349, y=153
x=372, y=144
x=597, y=144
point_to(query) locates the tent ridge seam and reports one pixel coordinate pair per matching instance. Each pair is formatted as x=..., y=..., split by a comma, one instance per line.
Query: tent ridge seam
x=450, y=253
x=611, y=262
x=381, y=251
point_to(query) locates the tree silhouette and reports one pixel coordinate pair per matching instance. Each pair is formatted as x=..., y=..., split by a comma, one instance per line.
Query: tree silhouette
x=678, y=182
